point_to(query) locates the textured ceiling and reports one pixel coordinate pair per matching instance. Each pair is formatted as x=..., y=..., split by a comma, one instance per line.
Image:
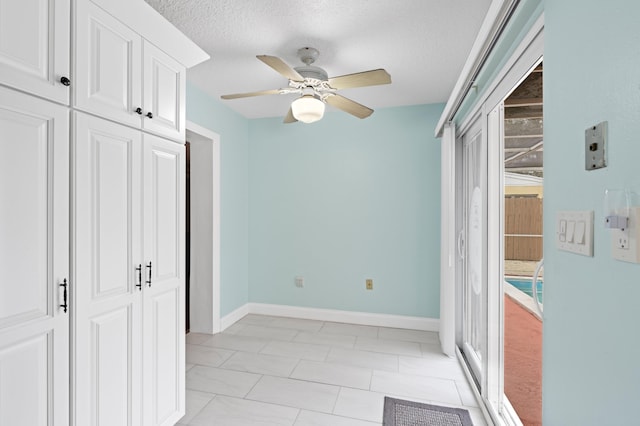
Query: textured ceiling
x=423, y=44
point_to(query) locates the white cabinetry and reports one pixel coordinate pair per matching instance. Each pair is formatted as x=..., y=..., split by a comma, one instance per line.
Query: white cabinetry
x=164, y=88
x=34, y=47
x=108, y=69
x=164, y=298
x=125, y=78
x=123, y=222
x=107, y=166
x=129, y=252
x=34, y=261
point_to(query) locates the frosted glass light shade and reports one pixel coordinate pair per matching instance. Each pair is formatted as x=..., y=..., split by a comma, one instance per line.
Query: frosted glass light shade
x=307, y=109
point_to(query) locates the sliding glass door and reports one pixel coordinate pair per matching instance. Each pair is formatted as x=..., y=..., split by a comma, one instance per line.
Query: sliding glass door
x=472, y=248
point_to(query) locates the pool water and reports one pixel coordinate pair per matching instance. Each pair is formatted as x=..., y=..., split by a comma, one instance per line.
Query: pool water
x=524, y=285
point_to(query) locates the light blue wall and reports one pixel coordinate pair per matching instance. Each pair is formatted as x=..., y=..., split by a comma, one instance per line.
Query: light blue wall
x=338, y=201
x=591, y=355
x=342, y=200
x=234, y=181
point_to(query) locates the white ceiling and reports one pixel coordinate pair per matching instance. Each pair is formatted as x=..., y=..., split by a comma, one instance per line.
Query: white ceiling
x=423, y=44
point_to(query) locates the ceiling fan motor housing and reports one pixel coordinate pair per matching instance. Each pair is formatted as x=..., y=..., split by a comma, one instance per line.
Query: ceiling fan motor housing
x=310, y=71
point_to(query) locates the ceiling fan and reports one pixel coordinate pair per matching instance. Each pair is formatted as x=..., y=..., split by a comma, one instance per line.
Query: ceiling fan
x=316, y=87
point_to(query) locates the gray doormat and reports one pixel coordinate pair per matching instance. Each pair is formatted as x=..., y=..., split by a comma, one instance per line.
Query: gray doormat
x=398, y=412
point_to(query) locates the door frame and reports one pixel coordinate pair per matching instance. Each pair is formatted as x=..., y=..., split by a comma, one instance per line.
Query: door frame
x=525, y=57
x=205, y=227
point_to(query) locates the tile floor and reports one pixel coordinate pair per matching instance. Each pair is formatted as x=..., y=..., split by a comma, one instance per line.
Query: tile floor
x=267, y=370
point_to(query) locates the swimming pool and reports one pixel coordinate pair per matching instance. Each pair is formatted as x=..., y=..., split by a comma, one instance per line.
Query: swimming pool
x=524, y=285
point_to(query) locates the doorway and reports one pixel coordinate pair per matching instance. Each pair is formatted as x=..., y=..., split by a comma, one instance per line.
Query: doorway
x=524, y=193
x=204, y=227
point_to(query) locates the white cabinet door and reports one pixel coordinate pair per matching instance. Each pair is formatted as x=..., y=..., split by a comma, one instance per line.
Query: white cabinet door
x=108, y=258
x=34, y=261
x=163, y=311
x=108, y=57
x=164, y=94
x=34, y=47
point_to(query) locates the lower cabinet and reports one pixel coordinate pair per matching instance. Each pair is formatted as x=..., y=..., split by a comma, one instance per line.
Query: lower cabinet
x=34, y=261
x=128, y=246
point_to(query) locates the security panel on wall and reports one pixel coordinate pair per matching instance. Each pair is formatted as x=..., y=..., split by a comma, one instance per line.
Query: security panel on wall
x=574, y=232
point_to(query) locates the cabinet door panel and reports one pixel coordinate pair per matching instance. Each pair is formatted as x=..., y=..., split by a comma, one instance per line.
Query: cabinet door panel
x=111, y=350
x=34, y=250
x=24, y=159
x=34, y=46
x=108, y=250
x=164, y=357
x=24, y=388
x=164, y=94
x=108, y=66
x=164, y=194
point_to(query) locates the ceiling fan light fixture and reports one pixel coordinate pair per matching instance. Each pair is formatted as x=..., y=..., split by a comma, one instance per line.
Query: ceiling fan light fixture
x=307, y=108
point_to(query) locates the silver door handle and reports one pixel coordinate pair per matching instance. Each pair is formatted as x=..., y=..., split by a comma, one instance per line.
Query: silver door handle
x=460, y=244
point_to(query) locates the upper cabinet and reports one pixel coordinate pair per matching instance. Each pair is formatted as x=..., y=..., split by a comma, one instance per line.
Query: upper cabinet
x=108, y=72
x=163, y=86
x=34, y=47
x=121, y=76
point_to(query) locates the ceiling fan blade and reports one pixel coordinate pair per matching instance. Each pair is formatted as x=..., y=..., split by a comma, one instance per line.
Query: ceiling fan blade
x=360, y=79
x=249, y=94
x=280, y=66
x=289, y=118
x=347, y=105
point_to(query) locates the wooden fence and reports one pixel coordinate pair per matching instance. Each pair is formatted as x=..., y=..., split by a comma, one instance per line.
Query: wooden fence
x=523, y=228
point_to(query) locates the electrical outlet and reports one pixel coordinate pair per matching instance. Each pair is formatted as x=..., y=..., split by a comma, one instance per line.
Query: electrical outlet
x=625, y=244
x=622, y=241
x=299, y=281
x=369, y=283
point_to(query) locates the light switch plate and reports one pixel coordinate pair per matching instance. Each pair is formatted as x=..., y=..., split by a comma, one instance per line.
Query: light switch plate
x=595, y=146
x=574, y=232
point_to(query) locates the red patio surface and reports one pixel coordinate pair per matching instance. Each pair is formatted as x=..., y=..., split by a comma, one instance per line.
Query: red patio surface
x=523, y=362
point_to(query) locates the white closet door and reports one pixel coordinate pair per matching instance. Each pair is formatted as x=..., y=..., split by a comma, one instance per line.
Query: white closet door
x=34, y=46
x=164, y=94
x=34, y=261
x=164, y=251
x=108, y=249
x=108, y=66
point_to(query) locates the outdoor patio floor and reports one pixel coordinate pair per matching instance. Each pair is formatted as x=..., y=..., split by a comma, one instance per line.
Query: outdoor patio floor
x=523, y=361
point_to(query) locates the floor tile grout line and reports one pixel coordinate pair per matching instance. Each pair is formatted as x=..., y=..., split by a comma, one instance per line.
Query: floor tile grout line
x=253, y=387
x=202, y=409
x=297, y=417
x=294, y=368
x=284, y=405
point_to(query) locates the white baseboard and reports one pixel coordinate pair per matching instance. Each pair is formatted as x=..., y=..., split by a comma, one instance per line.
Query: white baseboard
x=360, y=318
x=233, y=317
